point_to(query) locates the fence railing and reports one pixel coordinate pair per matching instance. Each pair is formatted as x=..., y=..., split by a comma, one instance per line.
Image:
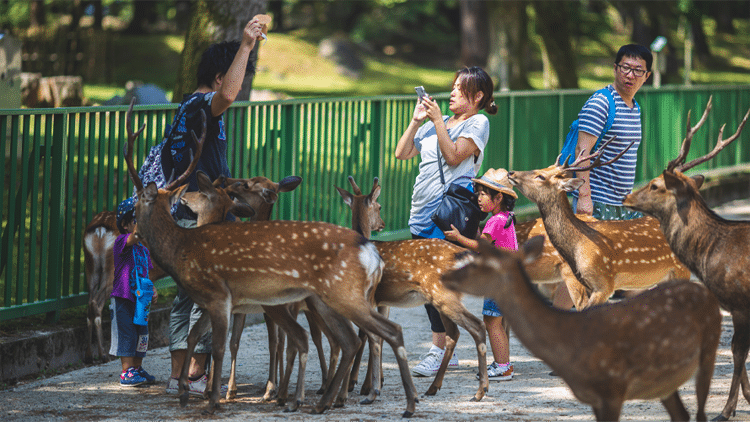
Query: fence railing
x=62, y=166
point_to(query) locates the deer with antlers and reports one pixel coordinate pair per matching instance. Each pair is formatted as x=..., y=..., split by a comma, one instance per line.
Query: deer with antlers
x=644, y=347
x=603, y=255
x=715, y=249
x=230, y=266
x=411, y=277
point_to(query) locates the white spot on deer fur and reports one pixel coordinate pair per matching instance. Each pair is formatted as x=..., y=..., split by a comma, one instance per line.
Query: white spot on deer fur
x=213, y=251
x=294, y=236
x=295, y=274
x=305, y=235
x=325, y=246
x=205, y=245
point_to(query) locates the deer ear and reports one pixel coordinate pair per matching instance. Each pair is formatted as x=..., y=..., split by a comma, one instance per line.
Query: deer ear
x=204, y=183
x=375, y=193
x=532, y=249
x=571, y=184
x=242, y=210
x=176, y=194
x=681, y=192
x=289, y=183
x=346, y=195
x=150, y=192
x=698, y=179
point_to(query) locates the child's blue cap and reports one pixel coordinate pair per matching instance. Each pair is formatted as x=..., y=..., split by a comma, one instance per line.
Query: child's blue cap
x=125, y=210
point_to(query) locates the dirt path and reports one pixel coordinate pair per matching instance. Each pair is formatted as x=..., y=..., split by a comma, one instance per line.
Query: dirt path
x=93, y=393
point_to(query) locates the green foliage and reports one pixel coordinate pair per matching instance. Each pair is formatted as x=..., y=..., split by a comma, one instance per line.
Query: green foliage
x=14, y=14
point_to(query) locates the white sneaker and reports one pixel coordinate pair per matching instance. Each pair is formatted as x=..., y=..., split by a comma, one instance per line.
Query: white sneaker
x=430, y=362
x=453, y=363
x=172, y=385
x=196, y=387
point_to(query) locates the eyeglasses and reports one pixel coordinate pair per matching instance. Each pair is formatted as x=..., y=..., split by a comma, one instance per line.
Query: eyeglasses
x=625, y=69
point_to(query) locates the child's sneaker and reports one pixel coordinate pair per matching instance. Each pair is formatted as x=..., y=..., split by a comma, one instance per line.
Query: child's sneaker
x=199, y=386
x=150, y=379
x=131, y=378
x=498, y=372
x=173, y=385
x=453, y=363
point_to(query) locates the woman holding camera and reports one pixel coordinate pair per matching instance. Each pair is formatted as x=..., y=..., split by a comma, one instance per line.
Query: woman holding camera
x=457, y=143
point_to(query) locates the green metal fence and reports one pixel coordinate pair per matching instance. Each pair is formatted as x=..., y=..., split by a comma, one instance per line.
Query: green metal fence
x=61, y=166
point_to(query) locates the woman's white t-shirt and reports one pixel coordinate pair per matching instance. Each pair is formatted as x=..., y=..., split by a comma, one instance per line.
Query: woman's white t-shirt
x=428, y=189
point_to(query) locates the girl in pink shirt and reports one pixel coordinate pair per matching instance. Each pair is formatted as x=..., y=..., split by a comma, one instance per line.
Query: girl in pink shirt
x=495, y=196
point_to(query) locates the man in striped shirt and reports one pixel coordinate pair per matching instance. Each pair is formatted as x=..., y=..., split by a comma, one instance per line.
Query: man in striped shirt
x=604, y=187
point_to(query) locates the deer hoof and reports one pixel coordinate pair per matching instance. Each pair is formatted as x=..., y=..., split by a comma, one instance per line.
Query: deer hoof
x=407, y=414
x=431, y=391
x=318, y=411
x=231, y=394
x=184, y=399
x=720, y=418
x=364, y=391
x=367, y=401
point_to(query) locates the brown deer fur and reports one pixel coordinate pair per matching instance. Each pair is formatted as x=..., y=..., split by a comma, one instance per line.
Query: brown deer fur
x=645, y=347
x=229, y=266
x=603, y=255
x=715, y=249
x=411, y=277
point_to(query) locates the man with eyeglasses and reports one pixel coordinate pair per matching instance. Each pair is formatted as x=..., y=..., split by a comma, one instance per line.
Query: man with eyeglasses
x=604, y=187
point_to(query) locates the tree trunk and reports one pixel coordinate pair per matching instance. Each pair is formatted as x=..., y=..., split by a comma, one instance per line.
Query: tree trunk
x=553, y=27
x=509, y=45
x=38, y=13
x=231, y=17
x=197, y=39
x=474, y=33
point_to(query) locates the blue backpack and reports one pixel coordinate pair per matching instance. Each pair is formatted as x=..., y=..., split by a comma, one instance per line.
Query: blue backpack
x=568, y=152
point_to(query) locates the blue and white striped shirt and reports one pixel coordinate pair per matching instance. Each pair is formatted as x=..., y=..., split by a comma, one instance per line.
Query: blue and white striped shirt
x=610, y=183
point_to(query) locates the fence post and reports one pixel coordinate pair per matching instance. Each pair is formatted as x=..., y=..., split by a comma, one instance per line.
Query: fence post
x=57, y=212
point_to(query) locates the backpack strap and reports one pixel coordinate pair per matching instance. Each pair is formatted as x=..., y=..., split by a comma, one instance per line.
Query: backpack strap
x=610, y=115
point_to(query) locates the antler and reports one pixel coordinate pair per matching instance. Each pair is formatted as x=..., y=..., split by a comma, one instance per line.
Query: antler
x=129, y=147
x=720, y=144
x=598, y=158
x=193, y=159
x=689, y=137
x=355, y=188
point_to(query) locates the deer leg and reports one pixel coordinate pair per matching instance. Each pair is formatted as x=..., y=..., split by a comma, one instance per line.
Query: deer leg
x=578, y=292
x=354, y=376
x=315, y=320
x=199, y=328
x=451, y=338
x=599, y=296
x=234, y=345
x=675, y=408
x=475, y=327
x=273, y=341
x=705, y=373
x=608, y=410
x=390, y=332
x=88, y=357
x=347, y=340
x=297, y=343
x=317, y=338
x=219, y=316
x=740, y=346
x=373, y=378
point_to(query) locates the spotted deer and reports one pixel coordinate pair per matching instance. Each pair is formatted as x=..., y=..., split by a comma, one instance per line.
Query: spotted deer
x=713, y=248
x=98, y=249
x=411, y=277
x=230, y=266
x=604, y=256
x=260, y=194
x=644, y=347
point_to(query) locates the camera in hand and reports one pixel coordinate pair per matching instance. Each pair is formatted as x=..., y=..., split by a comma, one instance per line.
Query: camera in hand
x=420, y=93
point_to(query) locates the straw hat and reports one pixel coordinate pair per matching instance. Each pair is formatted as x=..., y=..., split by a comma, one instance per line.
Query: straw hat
x=497, y=179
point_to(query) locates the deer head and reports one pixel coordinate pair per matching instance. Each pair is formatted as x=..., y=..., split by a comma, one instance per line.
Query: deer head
x=673, y=190
x=547, y=185
x=212, y=203
x=258, y=192
x=365, y=208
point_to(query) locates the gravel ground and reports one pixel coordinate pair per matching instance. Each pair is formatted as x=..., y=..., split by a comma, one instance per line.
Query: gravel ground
x=93, y=393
